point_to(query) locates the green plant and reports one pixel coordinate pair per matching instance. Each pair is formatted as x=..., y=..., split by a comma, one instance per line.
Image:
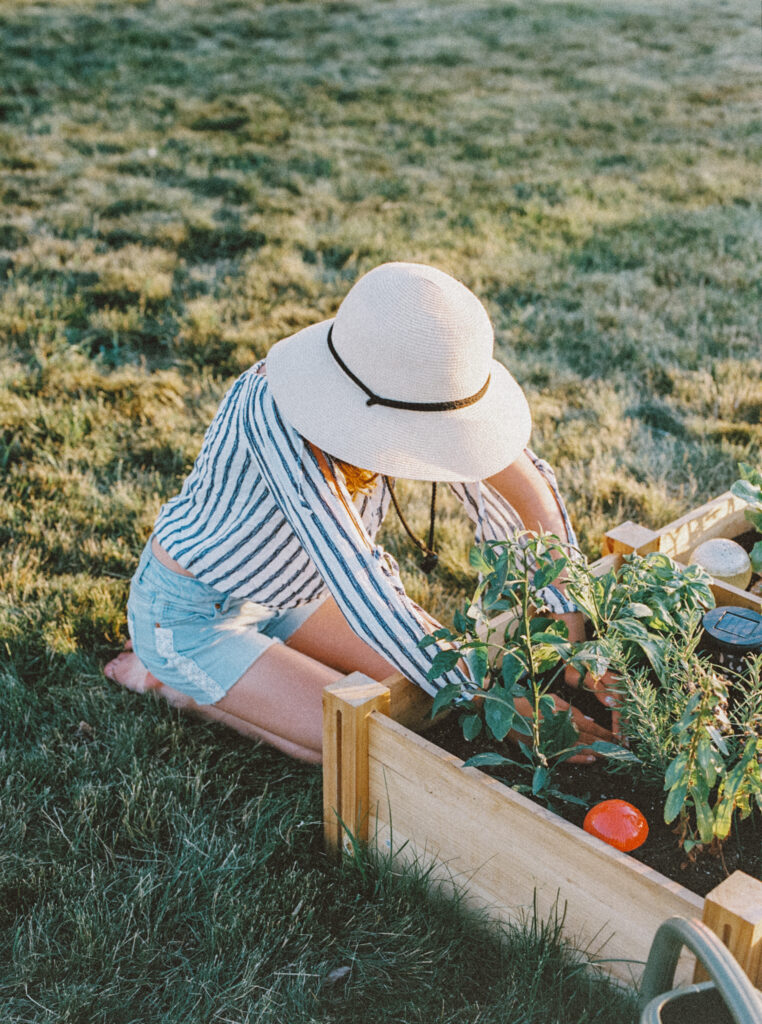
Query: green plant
x=636, y=612
x=749, y=489
x=699, y=732
x=515, y=661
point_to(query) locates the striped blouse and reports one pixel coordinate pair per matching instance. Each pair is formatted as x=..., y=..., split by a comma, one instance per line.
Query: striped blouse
x=257, y=518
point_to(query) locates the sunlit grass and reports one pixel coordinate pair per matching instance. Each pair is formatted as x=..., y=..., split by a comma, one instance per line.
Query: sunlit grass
x=183, y=183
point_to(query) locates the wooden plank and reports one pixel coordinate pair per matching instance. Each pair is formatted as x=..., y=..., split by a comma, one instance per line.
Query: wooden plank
x=608, y=562
x=346, y=707
x=721, y=517
x=726, y=593
x=733, y=910
x=478, y=834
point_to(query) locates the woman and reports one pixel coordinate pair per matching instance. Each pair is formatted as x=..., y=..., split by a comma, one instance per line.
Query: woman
x=262, y=583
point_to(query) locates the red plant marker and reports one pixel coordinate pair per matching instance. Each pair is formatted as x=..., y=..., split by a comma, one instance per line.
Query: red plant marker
x=617, y=823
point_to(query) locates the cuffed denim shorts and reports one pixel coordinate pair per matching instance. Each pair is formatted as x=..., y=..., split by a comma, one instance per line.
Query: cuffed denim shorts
x=193, y=637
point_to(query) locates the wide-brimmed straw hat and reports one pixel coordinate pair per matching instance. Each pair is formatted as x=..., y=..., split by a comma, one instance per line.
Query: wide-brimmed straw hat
x=402, y=380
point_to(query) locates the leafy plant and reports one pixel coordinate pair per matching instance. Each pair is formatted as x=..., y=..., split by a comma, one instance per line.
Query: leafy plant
x=644, y=621
x=516, y=652
x=636, y=612
x=749, y=489
x=699, y=732
x=514, y=660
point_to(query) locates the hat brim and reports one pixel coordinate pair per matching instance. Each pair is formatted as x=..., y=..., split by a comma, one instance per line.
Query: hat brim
x=317, y=398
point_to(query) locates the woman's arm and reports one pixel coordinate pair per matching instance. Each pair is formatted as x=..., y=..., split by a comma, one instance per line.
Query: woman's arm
x=540, y=507
x=525, y=488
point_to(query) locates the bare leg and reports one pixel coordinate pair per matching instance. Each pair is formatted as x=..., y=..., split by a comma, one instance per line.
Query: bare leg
x=279, y=698
x=282, y=694
x=130, y=672
x=327, y=637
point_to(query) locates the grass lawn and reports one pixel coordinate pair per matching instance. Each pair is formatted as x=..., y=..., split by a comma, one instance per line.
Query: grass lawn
x=183, y=182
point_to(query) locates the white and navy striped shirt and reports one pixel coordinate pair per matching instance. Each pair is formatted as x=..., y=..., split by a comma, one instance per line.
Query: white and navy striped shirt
x=257, y=518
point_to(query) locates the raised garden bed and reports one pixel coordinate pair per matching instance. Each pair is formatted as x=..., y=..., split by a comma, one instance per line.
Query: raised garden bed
x=386, y=783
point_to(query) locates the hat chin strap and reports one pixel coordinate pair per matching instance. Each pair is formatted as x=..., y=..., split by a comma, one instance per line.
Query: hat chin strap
x=430, y=557
x=392, y=403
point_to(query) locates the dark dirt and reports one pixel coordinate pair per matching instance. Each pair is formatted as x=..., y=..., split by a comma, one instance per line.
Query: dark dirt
x=747, y=541
x=742, y=850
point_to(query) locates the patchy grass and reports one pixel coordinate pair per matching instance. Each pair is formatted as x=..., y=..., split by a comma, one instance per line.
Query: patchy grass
x=183, y=183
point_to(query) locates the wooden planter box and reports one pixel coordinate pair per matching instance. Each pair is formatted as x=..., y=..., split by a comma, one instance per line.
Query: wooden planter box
x=387, y=784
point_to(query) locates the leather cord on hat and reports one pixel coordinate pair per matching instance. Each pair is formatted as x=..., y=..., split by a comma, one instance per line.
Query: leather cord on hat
x=430, y=557
x=392, y=403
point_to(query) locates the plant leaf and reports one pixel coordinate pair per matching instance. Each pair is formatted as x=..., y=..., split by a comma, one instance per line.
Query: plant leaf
x=704, y=816
x=499, y=711
x=675, y=770
x=446, y=696
x=718, y=739
x=512, y=669
x=478, y=663
x=638, y=610
x=723, y=818
x=756, y=557
x=613, y=752
x=746, y=491
x=478, y=560
x=546, y=574
x=472, y=726
x=675, y=801
x=540, y=779
x=443, y=662
x=522, y=725
x=482, y=760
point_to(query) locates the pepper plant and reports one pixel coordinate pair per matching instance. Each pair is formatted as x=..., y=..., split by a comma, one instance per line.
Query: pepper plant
x=515, y=652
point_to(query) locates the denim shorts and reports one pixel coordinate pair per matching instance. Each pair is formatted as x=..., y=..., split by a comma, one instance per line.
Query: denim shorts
x=193, y=637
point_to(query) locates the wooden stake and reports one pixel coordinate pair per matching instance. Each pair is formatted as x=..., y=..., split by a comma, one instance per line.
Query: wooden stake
x=629, y=537
x=733, y=910
x=346, y=706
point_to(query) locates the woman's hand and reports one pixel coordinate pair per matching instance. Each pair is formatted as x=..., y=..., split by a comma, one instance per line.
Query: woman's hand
x=604, y=687
x=588, y=729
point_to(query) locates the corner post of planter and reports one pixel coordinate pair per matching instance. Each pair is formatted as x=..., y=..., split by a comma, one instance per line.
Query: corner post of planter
x=346, y=707
x=733, y=911
x=629, y=537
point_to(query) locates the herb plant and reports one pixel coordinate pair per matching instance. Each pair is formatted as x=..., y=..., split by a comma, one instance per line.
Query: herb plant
x=699, y=732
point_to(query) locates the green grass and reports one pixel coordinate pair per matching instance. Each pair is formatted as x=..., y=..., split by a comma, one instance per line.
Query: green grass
x=152, y=870
x=181, y=184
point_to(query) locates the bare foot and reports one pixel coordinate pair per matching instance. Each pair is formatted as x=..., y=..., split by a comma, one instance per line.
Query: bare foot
x=127, y=670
